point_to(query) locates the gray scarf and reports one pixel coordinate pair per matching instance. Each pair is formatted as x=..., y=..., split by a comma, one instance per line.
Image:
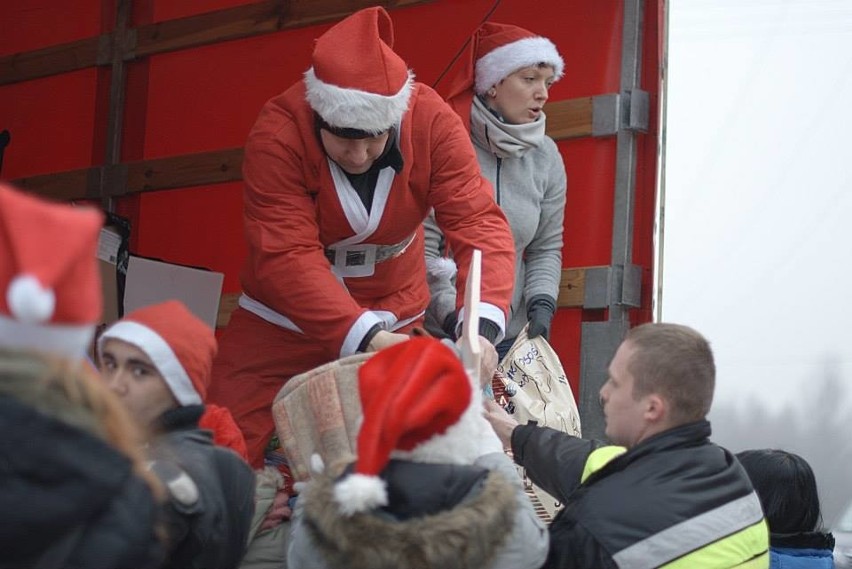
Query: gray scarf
x=504, y=140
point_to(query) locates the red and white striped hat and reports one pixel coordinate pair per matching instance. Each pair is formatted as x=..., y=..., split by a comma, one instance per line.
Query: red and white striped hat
x=50, y=288
x=180, y=345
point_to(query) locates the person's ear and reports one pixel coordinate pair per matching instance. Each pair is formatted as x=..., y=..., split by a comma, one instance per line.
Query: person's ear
x=492, y=92
x=656, y=408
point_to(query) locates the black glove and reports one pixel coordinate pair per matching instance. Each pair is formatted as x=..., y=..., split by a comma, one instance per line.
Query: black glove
x=540, y=311
x=449, y=325
x=487, y=329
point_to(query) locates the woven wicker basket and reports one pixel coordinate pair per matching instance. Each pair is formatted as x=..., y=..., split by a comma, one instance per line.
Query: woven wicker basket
x=319, y=411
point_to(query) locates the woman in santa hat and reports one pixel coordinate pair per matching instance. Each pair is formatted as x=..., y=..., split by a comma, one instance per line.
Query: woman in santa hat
x=340, y=171
x=500, y=96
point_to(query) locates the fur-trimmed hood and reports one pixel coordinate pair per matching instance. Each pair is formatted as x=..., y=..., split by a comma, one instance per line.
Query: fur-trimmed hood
x=466, y=536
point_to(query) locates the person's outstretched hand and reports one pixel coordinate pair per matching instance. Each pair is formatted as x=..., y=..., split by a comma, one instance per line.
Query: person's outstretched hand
x=502, y=423
x=384, y=339
x=279, y=511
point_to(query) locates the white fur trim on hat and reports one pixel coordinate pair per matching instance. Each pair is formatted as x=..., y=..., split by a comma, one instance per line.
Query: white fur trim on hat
x=161, y=355
x=29, y=301
x=360, y=493
x=501, y=62
x=354, y=108
x=70, y=341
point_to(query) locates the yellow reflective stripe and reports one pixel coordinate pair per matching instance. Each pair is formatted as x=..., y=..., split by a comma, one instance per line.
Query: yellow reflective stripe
x=693, y=534
x=760, y=562
x=600, y=458
x=752, y=544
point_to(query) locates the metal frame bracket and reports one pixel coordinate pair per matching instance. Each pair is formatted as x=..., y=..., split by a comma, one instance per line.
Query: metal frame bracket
x=614, y=112
x=614, y=285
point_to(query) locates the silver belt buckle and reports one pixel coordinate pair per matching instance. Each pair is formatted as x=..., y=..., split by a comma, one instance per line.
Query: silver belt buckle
x=355, y=260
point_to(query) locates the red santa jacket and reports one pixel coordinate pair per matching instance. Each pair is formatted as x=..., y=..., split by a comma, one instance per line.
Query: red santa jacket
x=298, y=203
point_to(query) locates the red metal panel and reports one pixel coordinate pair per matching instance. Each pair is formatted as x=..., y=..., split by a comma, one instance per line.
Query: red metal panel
x=30, y=25
x=51, y=122
x=207, y=98
x=198, y=226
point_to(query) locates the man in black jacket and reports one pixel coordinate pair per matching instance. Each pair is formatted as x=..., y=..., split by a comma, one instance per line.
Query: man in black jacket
x=157, y=360
x=666, y=496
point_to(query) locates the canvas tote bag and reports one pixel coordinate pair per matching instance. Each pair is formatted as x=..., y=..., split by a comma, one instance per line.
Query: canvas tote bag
x=532, y=386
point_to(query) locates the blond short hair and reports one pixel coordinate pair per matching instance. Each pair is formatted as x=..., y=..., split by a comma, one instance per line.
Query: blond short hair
x=675, y=362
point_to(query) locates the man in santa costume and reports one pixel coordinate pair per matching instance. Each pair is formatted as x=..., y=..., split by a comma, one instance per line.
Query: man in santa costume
x=340, y=171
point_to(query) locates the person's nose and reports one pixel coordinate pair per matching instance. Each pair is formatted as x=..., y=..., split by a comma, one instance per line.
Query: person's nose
x=358, y=152
x=542, y=93
x=116, y=381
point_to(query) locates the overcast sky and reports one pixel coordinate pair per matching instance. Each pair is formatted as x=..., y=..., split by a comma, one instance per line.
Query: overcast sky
x=758, y=189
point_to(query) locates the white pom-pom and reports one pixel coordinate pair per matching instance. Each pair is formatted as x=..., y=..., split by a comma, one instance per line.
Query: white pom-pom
x=28, y=301
x=317, y=465
x=359, y=493
x=441, y=268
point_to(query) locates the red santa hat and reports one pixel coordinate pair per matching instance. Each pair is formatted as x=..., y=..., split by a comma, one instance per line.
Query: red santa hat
x=180, y=345
x=496, y=51
x=418, y=404
x=502, y=49
x=357, y=81
x=50, y=290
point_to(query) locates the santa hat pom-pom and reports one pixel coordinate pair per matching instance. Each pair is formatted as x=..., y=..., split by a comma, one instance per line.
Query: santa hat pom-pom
x=359, y=493
x=28, y=301
x=441, y=268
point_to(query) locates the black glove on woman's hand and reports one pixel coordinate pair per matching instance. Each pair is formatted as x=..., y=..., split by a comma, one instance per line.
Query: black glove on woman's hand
x=540, y=311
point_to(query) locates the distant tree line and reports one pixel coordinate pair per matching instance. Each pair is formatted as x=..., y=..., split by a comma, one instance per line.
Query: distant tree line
x=815, y=427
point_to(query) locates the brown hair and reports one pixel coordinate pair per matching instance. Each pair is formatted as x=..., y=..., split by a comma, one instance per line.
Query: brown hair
x=72, y=393
x=675, y=362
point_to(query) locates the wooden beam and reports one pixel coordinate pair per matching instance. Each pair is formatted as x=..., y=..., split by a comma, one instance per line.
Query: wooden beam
x=247, y=21
x=64, y=186
x=572, y=288
x=566, y=119
x=193, y=31
x=570, y=118
x=202, y=169
x=53, y=60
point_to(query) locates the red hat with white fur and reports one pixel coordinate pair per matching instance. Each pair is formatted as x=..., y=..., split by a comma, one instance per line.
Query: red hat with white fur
x=357, y=81
x=50, y=289
x=502, y=49
x=180, y=345
x=496, y=51
x=418, y=404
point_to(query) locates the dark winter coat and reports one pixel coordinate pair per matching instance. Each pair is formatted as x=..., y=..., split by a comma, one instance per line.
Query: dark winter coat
x=67, y=498
x=439, y=516
x=212, y=494
x=673, y=497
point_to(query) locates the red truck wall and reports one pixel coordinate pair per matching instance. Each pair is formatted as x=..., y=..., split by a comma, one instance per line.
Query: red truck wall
x=207, y=98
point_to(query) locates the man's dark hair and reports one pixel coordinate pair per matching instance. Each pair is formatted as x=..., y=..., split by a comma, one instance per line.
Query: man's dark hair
x=787, y=489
